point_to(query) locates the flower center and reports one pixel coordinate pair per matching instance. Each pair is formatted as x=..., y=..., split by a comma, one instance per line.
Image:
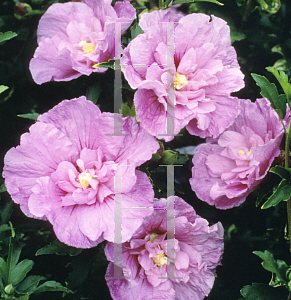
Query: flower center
x=243, y=153
x=180, y=81
x=85, y=179
x=87, y=47
x=162, y=260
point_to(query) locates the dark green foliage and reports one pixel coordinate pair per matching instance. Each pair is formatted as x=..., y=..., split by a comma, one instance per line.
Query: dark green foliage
x=261, y=36
x=278, y=268
x=56, y=247
x=261, y=291
x=13, y=274
x=269, y=91
x=32, y=116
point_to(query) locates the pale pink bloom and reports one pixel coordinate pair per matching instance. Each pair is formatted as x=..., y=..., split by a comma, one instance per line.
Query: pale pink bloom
x=203, y=69
x=197, y=250
x=74, y=36
x=64, y=171
x=228, y=168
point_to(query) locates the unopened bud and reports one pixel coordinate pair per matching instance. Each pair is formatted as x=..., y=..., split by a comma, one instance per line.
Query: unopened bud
x=158, y=155
x=9, y=289
x=169, y=157
x=21, y=9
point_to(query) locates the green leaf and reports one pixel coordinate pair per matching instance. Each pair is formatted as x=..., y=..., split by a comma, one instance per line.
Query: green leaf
x=19, y=272
x=13, y=254
x=81, y=266
x=4, y=227
x=283, y=80
x=127, y=111
x=108, y=64
x=3, y=188
x=269, y=91
x=259, y=291
x=279, y=268
x=3, y=88
x=7, y=36
x=3, y=270
x=191, y=1
x=167, y=2
x=136, y=31
x=212, y=1
x=93, y=92
x=51, y=286
x=29, y=284
x=266, y=188
x=24, y=297
x=282, y=193
x=182, y=159
x=56, y=247
x=32, y=116
x=282, y=172
x=6, y=212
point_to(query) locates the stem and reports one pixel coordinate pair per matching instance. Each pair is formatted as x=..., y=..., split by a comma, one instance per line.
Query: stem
x=287, y=142
x=161, y=4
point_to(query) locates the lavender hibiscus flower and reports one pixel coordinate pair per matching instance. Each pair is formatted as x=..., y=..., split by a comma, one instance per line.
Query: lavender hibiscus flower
x=64, y=171
x=203, y=68
x=197, y=251
x=228, y=168
x=72, y=37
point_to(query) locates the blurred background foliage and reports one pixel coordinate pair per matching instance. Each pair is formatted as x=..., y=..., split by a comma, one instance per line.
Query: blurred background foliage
x=261, y=35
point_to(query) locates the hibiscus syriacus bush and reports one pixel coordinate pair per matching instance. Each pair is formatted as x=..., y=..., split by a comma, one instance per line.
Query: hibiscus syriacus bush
x=72, y=37
x=64, y=171
x=203, y=68
x=165, y=117
x=198, y=248
x=228, y=168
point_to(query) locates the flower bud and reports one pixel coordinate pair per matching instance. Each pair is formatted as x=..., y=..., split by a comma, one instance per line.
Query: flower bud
x=21, y=9
x=169, y=157
x=9, y=289
x=158, y=155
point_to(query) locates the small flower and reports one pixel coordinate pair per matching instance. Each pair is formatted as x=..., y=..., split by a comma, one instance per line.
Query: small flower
x=64, y=171
x=196, y=251
x=74, y=36
x=228, y=168
x=202, y=70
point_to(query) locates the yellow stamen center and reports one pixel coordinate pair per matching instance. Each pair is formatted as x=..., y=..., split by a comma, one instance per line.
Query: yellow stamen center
x=87, y=47
x=179, y=81
x=242, y=153
x=162, y=260
x=85, y=180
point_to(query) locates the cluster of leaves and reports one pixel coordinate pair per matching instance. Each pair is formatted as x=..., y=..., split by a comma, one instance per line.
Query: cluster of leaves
x=280, y=278
x=14, y=282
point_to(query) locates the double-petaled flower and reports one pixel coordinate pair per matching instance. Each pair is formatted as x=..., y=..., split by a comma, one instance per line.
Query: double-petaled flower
x=228, y=168
x=70, y=169
x=193, y=253
x=191, y=56
x=74, y=36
